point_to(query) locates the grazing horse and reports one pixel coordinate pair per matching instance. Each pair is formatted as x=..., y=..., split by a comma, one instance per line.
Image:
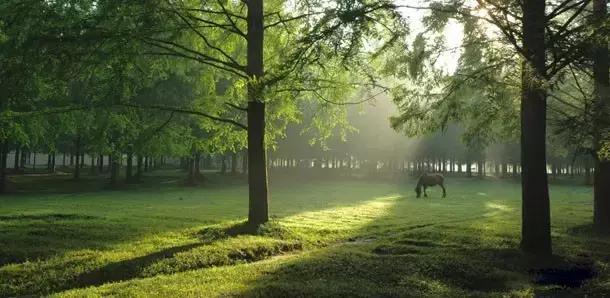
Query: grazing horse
x=429, y=180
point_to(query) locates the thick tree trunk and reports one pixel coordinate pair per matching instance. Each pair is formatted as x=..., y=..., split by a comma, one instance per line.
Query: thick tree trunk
x=601, y=214
x=77, y=154
x=601, y=66
x=536, y=215
x=257, y=159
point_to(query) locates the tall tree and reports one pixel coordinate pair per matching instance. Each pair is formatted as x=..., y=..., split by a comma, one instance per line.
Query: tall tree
x=536, y=216
x=601, y=66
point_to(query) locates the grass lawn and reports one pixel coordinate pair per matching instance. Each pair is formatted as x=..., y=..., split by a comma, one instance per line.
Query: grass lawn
x=342, y=238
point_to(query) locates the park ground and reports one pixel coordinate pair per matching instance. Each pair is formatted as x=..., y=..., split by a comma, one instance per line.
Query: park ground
x=326, y=238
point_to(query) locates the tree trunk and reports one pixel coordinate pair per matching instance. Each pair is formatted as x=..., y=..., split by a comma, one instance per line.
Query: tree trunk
x=100, y=163
x=233, y=163
x=139, y=167
x=53, y=163
x=77, y=154
x=258, y=212
x=3, y=160
x=16, y=161
x=601, y=74
x=223, y=164
x=536, y=215
x=197, y=164
x=244, y=162
x=129, y=168
x=114, y=169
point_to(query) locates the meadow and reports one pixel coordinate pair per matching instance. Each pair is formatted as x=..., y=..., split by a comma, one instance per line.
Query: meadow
x=326, y=238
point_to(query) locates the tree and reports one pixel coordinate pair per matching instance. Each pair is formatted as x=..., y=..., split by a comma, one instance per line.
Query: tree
x=547, y=43
x=601, y=66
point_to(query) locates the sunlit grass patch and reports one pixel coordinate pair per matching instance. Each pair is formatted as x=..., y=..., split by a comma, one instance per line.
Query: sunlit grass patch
x=333, y=238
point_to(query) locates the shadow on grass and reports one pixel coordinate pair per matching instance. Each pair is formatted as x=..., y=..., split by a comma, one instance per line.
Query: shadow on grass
x=127, y=269
x=452, y=257
x=147, y=265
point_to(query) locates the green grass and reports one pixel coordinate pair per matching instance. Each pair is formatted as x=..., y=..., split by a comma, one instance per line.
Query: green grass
x=342, y=238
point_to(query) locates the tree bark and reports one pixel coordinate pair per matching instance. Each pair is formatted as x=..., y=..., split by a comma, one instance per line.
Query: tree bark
x=536, y=215
x=258, y=212
x=601, y=74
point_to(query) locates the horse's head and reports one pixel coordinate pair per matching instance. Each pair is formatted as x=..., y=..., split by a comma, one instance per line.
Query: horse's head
x=418, y=190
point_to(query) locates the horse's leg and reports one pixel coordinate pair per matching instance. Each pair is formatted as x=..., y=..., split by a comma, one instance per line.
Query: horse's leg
x=444, y=191
x=425, y=194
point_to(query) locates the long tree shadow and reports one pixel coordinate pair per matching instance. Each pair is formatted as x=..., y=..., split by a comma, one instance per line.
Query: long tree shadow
x=138, y=267
x=475, y=252
x=126, y=269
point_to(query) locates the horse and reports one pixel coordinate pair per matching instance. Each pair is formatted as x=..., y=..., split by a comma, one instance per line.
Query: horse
x=429, y=180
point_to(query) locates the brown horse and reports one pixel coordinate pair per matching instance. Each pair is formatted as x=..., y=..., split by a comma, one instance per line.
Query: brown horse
x=429, y=180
